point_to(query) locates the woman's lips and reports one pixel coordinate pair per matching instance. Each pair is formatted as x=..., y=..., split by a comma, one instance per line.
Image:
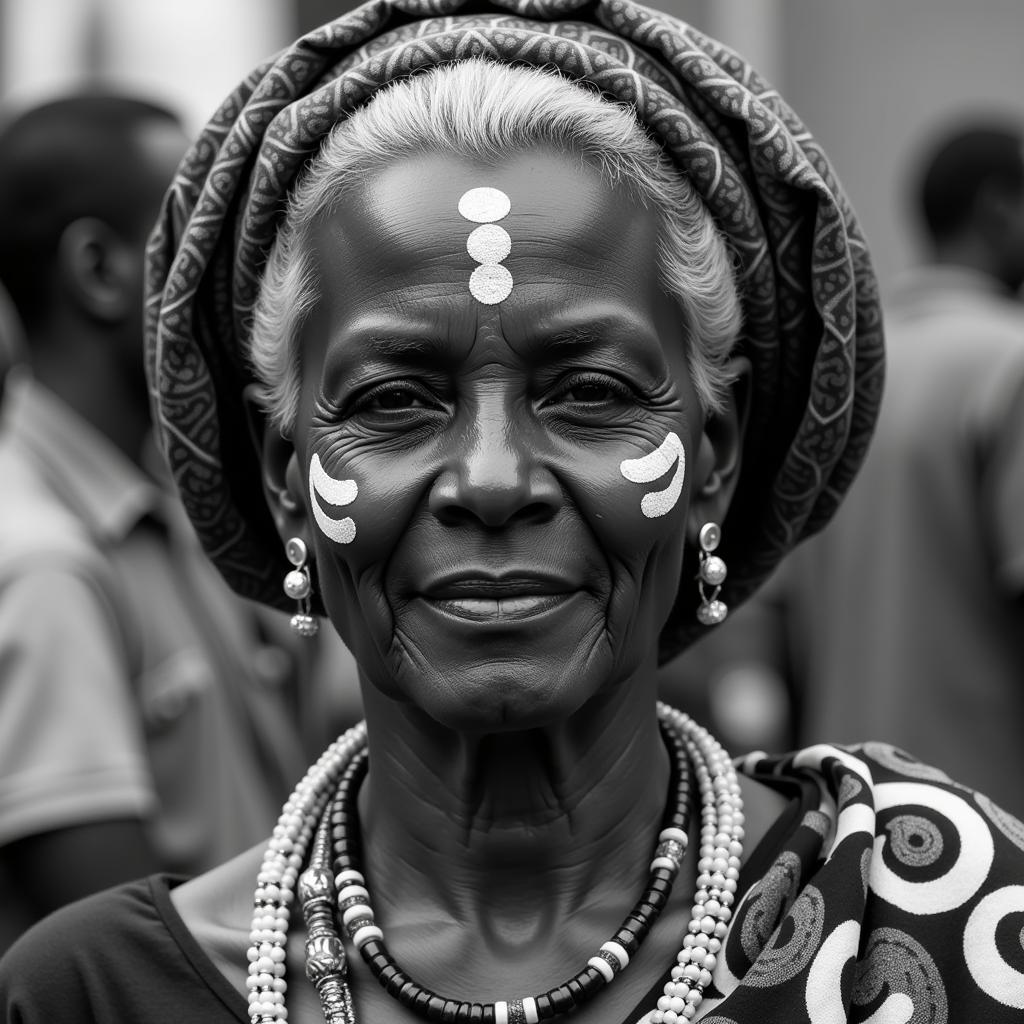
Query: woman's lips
x=486, y=600
x=489, y=609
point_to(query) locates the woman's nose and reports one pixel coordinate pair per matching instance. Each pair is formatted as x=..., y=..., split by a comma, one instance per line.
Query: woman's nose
x=494, y=476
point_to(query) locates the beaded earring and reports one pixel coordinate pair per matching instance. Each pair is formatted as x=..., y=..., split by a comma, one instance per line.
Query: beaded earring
x=298, y=586
x=712, y=574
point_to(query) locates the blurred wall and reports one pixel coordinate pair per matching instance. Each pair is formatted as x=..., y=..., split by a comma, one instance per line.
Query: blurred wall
x=871, y=78
x=874, y=78
x=188, y=54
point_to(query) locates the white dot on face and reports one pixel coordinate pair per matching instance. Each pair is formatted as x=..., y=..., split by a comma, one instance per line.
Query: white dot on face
x=490, y=284
x=489, y=243
x=484, y=205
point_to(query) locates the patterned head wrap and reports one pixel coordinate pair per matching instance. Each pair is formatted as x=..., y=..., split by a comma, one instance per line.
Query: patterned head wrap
x=812, y=328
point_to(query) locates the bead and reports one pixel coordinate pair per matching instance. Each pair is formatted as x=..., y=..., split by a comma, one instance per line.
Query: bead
x=325, y=955
x=617, y=952
x=297, y=585
x=711, y=613
x=304, y=625
x=319, y=814
x=315, y=883
x=712, y=570
x=710, y=536
x=677, y=835
x=357, y=912
x=295, y=551
x=362, y=935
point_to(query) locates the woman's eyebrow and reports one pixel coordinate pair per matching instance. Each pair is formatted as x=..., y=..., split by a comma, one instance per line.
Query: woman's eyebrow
x=395, y=346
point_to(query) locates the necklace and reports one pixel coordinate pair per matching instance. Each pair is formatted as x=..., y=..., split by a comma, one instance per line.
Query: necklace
x=320, y=815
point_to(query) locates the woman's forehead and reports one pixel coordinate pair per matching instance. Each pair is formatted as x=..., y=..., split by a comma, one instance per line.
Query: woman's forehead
x=437, y=201
x=483, y=231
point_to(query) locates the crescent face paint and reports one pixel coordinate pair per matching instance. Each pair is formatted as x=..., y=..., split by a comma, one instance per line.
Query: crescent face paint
x=489, y=244
x=330, y=491
x=653, y=467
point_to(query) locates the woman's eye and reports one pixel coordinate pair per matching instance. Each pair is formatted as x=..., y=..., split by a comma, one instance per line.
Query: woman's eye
x=397, y=398
x=393, y=398
x=592, y=391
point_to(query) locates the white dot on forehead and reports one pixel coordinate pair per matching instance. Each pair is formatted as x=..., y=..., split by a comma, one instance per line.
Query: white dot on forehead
x=489, y=243
x=484, y=205
x=490, y=284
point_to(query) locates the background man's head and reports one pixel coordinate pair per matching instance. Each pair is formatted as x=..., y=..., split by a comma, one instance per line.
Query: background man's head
x=80, y=184
x=969, y=192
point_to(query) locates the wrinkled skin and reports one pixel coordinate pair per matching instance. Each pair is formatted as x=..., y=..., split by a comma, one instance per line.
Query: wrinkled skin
x=502, y=573
x=503, y=591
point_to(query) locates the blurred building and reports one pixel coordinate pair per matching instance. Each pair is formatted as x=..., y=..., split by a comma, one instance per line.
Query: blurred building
x=871, y=78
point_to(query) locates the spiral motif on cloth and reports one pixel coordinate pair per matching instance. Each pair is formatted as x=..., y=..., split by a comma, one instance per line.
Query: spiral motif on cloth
x=994, y=945
x=849, y=789
x=1010, y=826
x=823, y=994
x=900, y=761
x=865, y=870
x=915, y=841
x=933, y=827
x=817, y=822
x=898, y=973
x=766, y=904
x=795, y=943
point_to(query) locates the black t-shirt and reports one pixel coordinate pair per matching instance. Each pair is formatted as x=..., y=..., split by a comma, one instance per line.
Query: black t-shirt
x=123, y=956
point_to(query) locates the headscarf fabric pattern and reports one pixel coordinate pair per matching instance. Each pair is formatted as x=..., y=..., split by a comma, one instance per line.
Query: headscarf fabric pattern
x=812, y=325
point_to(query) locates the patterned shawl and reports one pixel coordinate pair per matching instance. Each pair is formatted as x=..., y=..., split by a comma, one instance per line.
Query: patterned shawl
x=812, y=323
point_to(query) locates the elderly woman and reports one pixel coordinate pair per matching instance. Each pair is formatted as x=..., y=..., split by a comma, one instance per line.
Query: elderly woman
x=519, y=348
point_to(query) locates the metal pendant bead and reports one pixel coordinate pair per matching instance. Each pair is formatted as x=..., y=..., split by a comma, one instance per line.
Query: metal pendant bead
x=304, y=625
x=325, y=955
x=296, y=585
x=295, y=551
x=315, y=884
x=711, y=613
x=712, y=570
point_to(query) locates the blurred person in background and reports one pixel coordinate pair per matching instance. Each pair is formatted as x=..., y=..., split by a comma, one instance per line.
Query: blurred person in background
x=909, y=608
x=12, y=344
x=149, y=719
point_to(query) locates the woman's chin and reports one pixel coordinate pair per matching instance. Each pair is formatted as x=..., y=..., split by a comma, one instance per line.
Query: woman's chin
x=509, y=698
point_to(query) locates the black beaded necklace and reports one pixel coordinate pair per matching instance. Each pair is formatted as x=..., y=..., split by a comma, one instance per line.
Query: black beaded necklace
x=325, y=961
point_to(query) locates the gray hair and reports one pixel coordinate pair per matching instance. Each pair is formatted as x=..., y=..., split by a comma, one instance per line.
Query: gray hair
x=481, y=110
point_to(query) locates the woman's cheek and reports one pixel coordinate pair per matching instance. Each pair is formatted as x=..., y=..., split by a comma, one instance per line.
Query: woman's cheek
x=360, y=507
x=358, y=512
x=637, y=502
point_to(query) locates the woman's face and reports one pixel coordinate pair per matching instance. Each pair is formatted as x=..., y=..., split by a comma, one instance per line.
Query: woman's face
x=475, y=449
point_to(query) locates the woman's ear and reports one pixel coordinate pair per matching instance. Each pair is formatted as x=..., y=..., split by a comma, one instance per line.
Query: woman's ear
x=282, y=476
x=720, y=453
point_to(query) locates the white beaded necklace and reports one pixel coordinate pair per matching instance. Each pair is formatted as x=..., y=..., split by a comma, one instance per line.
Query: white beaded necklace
x=718, y=866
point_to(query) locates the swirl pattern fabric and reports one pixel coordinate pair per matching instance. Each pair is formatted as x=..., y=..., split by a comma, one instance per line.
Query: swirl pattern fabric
x=933, y=934
x=812, y=323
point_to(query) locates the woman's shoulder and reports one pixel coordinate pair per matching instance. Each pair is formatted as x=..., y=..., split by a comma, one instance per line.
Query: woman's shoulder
x=116, y=956
x=894, y=867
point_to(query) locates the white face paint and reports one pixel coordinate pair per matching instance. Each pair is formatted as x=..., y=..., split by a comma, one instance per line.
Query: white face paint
x=325, y=488
x=654, y=466
x=488, y=244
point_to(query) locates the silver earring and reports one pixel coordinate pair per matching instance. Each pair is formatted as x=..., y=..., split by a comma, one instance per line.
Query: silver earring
x=298, y=586
x=712, y=574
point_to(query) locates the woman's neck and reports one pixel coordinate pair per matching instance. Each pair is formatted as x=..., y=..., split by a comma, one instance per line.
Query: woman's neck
x=499, y=825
